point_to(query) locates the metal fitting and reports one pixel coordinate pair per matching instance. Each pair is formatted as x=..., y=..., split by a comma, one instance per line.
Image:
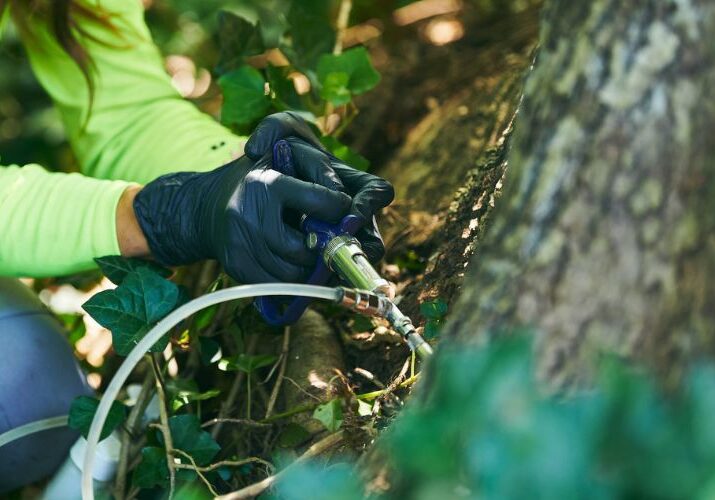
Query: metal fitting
x=375, y=305
x=365, y=303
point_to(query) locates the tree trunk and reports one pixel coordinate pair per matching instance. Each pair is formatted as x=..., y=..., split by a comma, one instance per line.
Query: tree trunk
x=452, y=157
x=603, y=238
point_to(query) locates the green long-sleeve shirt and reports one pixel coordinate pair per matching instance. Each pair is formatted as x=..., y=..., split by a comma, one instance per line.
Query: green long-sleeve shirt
x=139, y=128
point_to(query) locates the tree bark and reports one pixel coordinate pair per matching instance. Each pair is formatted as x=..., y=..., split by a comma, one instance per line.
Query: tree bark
x=452, y=158
x=603, y=238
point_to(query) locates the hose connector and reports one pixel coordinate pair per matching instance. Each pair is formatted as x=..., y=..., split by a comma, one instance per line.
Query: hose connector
x=371, y=304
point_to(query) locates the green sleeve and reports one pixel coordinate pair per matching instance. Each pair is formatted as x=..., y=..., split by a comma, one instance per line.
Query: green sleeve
x=139, y=126
x=55, y=224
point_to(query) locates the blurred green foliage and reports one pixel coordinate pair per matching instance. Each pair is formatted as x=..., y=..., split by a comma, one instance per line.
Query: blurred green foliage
x=487, y=430
x=30, y=129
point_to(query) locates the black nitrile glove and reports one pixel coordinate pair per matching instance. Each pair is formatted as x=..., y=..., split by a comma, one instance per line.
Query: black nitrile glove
x=369, y=193
x=234, y=214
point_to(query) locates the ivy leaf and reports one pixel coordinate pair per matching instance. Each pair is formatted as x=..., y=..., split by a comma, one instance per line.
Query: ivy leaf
x=188, y=437
x=152, y=470
x=344, y=153
x=82, y=413
x=205, y=317
x=246, y=362
x=183, y=392
x=335, y=88
x=432, y=329
x=283, y=89
x=311, y=34
x=131, y=309
x=330, y=414
x=244, y=95
x=364, y=409
x=355, y=63
x=239, y=39
x=434, y=309
x=116, y=267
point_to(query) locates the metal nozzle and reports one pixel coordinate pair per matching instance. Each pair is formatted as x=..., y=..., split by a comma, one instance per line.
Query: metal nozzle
x=372, y=304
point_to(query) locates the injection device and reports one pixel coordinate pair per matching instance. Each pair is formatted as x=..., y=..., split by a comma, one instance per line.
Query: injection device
x=340, y=252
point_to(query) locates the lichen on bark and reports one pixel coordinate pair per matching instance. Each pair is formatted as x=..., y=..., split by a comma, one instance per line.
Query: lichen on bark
x=602, y=240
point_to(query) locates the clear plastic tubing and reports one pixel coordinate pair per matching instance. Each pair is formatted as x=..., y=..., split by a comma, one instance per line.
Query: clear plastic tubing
x=161, y=328
x=31, y=428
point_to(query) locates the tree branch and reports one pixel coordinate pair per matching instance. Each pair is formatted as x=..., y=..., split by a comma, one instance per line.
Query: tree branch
x=256, y=489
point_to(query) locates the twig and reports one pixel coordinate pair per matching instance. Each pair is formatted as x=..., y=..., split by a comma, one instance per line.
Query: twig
x=164, y=419
x=237, y=421
x=194, y=466
x=256, y=489
x=369, y=396
x=281, y=372
x=131, y=428
x=302, y=390
x=224, y=463
x=233, y=392
x=342, y=25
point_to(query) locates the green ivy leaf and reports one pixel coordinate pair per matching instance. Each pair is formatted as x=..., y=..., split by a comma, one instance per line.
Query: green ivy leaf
x=205, y=317
x=182, y=392
x=432, y=329
x=282, y=88
x=239, y=39
x=344, y=153
x=330, y=414
x=130, y=310
x=244, y=96
x=116, y=267
x=82, y=413
x=364, y=409
x=188, y=437
x=152, y=470
x=335, y=88
x=434, y=309
x=311, y=34
x=355, y=63
x=246, y=362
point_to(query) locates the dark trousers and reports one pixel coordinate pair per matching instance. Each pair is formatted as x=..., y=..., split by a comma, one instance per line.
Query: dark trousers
x=39, y=378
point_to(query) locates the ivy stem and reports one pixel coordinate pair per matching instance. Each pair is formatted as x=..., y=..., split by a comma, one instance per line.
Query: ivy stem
x=164, y=419
x=194, y=466
x=281, y=372
x=341, y=26
x=248, y=395
x=131, y=428
x=346, y=6
x=233, y=392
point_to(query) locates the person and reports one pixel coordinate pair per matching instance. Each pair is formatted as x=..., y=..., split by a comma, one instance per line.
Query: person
x=159, y=180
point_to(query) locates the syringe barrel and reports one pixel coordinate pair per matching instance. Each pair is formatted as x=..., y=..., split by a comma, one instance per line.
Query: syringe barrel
x=344, y=256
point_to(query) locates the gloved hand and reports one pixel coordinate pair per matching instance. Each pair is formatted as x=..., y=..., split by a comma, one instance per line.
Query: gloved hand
x=235, y=214
x=369, y=193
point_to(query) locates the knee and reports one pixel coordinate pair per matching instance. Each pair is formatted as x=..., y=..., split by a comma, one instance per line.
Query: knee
x=39, y=378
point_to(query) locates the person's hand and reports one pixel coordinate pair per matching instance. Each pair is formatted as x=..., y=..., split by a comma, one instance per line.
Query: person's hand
x=369, y=193
x=235, y=214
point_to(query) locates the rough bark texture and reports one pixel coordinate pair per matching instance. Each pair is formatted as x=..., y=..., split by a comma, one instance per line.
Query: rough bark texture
x=603, y=238
x=453, y=157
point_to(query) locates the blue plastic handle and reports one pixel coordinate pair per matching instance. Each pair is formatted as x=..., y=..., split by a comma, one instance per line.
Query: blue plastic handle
x=279, y=311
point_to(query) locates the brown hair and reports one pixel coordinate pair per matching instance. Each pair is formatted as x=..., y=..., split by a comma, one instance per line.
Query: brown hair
x=62, y=18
